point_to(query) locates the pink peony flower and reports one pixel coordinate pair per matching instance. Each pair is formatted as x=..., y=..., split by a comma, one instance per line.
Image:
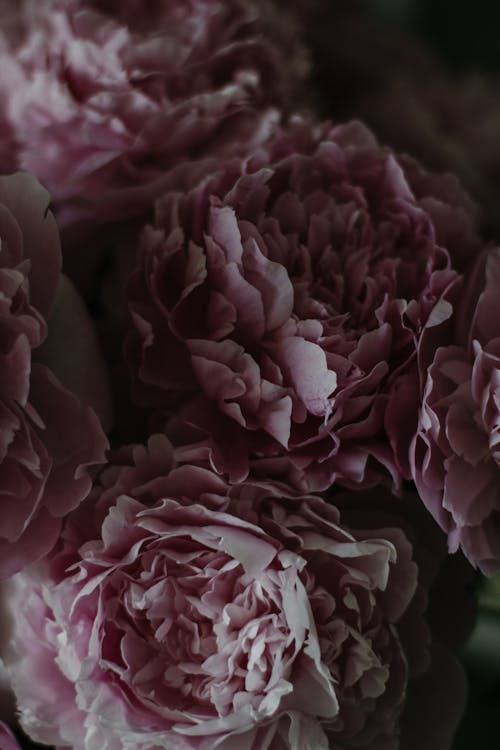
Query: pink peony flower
x=208, y=615
x=47, y=437
x=7, y=739
x=277, y=307
x=456, y=452
x=100, y=98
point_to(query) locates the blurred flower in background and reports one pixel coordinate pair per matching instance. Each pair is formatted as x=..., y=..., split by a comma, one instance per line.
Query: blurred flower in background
x=373, y=59
x=90, y=90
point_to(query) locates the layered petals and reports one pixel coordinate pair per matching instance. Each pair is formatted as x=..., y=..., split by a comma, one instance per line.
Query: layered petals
x=181, y=611
x=98, y=99
x=456, y=453
x=278, y=306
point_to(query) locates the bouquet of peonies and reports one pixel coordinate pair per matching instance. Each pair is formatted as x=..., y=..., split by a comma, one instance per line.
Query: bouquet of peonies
x=249, y=395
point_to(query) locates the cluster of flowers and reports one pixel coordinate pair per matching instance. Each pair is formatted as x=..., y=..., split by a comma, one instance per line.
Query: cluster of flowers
x=231, y=475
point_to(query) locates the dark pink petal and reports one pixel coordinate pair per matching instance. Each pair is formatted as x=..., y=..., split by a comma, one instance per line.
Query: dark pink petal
x=7, y=739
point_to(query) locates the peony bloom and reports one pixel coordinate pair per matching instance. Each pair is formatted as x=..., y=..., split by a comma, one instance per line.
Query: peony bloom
x=47, y=437
x=277, y=307
x=198, y=614
x=456, y=452
x=98, y=99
